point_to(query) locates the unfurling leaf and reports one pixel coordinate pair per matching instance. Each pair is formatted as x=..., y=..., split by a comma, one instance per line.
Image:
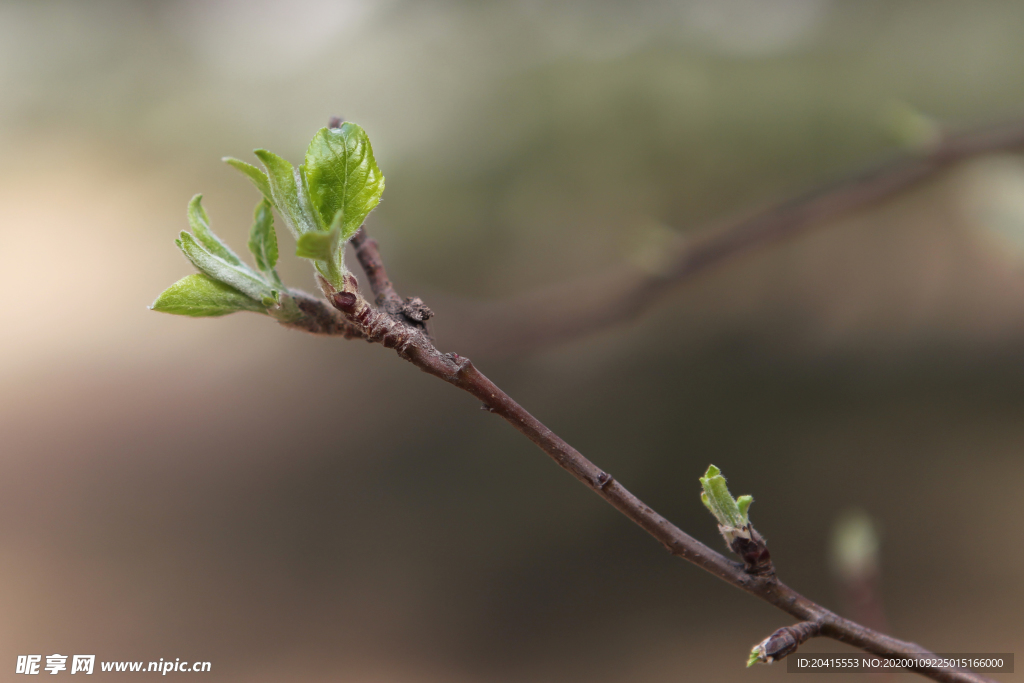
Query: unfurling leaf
x=288, y=188
x=320, y=246
x=200, y=224
x=743, y=503
x=734, y=523
x=258, y=177
x=241, y=278
x=263, y=239
x=729, y=512
x=199, y=295
x=344, y=181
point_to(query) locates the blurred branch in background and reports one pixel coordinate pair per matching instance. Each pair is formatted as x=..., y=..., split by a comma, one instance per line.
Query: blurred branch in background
x=576, y=309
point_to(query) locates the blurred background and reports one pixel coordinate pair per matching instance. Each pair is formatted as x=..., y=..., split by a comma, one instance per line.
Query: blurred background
x=294, y=508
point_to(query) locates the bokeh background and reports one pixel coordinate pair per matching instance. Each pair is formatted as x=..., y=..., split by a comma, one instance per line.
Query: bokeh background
x=294, y=508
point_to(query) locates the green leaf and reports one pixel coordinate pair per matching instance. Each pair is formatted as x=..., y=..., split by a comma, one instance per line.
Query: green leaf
x=258, y=177
x=200, y=224
x=719, y=501
x=241, y=279
x=343, y=177
x=263, y=239
x=288, y=188
x=320, y=246
x=199, y=295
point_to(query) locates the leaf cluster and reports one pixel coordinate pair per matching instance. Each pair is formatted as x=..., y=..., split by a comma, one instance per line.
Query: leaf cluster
x=322, y=202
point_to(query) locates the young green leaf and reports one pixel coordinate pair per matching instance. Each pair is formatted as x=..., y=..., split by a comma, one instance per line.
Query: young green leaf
x=263, y=239
x=345, y=183
x=286, y=185
x=302, y=186
x=200, y=224
x=258, y=177
x=320, y=246
x=199, y=295
x=241, y=279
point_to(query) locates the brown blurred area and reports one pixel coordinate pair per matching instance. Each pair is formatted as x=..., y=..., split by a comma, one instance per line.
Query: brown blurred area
x=294, y=508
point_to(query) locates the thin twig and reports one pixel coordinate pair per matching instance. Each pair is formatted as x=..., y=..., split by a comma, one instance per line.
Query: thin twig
x=622, y=294
x=412, y=344
x=369, y=258
x=413, y=311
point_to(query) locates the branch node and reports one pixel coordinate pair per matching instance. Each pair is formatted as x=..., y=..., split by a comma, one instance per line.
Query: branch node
x=603, y=479
x=752, y=547
x=411, y=311
x=461, y=363
x=415, y=310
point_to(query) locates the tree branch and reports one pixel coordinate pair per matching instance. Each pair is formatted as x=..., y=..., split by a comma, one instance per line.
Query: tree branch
x=568, y=311
x=395, y=330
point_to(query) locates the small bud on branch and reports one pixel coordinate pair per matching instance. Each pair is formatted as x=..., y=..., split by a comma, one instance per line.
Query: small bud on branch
x=734, y=522
x=783, y=642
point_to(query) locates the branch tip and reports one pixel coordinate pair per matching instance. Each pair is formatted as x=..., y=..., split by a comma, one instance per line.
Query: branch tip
x=783, y=642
